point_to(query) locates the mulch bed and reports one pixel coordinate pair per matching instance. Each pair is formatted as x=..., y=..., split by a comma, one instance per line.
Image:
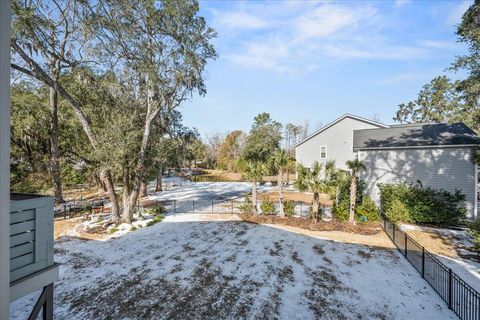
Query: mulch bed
x=365, y=229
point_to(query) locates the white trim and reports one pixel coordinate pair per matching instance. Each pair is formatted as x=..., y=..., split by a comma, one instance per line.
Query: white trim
x=5, y=17
x=326, y=153
x=418, y=147
x=346, y=115
x=34, y=282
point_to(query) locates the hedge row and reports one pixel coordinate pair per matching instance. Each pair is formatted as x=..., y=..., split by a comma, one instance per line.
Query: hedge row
x=416, y=204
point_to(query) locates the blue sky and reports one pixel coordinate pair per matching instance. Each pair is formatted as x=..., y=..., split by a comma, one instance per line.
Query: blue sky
x=314, y=61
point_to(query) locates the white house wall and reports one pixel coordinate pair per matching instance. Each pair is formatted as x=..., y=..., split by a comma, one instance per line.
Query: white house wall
x=441, y=168
x=339, y=142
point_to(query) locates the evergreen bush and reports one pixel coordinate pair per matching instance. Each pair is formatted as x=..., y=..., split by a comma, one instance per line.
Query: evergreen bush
x=267, y=206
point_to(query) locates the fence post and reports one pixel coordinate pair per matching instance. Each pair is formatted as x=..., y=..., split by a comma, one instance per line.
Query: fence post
x=231, y=207
x=450, y=288
x=423, y=262
x=193, y=206
x=212, y=205
x=174, y=206
x=405, y=244
x=393, y=233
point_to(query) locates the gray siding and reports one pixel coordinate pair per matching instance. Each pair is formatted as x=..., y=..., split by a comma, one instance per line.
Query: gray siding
x=442, y=168
x=339, y=142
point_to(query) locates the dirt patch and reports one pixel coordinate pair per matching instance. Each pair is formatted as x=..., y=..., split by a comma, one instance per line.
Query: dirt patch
x=435, y=242
x=364, y=229
x=322, y=296
x=70, y=228
x=364, y=254
x=318, y=249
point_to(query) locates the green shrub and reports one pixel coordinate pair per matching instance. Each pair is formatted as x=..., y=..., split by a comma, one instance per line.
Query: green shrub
x=367, y=211
x=425, y=205
x=267, y=206
x=341, y=210
x=150, y=223
x=133, y=228
x=289, y=208
x=246, y=206
x=274, y=183
x=158, y=218
x=474, y=233
x=158, y=210
x=398, y=212
x=344, y=192
x=112, y=230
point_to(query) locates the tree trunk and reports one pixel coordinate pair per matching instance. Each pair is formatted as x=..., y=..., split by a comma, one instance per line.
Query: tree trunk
x=143, y=189
x=353, y=196
x=254, y=197
x=126, y=186
x=280, y=193
x=158, y=186
x=140, y=168
x=54, y=150
x=315, y=205
x=107, y=179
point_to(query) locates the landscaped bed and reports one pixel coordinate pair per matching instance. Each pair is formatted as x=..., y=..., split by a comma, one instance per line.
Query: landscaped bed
x=309, y=224
x=193, y=266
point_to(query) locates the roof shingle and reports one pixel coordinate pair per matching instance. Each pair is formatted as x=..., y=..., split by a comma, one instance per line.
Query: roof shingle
x=415, y=135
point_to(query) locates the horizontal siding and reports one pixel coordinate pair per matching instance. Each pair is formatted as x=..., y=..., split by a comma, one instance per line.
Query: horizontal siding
x=16, y=217
x=440, y=168
x=22, y=227
x=339, y=142
x=22, y=261
x=22, y=238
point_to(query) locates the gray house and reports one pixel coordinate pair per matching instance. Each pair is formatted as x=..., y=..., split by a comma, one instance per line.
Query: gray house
x=436, y=155
x=333, y=142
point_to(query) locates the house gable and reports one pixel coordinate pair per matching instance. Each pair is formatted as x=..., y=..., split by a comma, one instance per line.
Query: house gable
x=338, y=120
x=333, y=142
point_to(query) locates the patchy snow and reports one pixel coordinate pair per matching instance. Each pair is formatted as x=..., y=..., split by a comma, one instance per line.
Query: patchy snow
x=467, y=269
x=206, y=266
x=208, y=190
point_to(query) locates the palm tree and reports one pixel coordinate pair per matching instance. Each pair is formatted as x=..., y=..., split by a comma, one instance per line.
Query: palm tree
x=281, y=162
x=316, y=180
x=355, y=167
x=254, y=171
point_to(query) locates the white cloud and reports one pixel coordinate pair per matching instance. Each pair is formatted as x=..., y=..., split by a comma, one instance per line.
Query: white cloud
x=240, y=20
x=264, y=55
x=456, y=13
x=438, y=44
x=376, y=51
x=285, y=37
x=327, y=20
x=401, y=3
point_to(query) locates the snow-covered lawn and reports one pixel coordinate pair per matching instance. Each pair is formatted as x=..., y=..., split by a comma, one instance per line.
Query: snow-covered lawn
x=185, y=190
x=216, y=267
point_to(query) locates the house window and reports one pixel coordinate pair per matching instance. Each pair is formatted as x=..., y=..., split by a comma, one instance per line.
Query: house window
x=323, y=152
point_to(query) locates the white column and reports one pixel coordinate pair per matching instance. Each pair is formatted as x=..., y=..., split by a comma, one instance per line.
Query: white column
x=4, y=157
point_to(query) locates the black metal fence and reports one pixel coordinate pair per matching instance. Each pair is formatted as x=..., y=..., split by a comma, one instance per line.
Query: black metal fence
x=76, y=207
x=459, y=295
x=300, y=209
